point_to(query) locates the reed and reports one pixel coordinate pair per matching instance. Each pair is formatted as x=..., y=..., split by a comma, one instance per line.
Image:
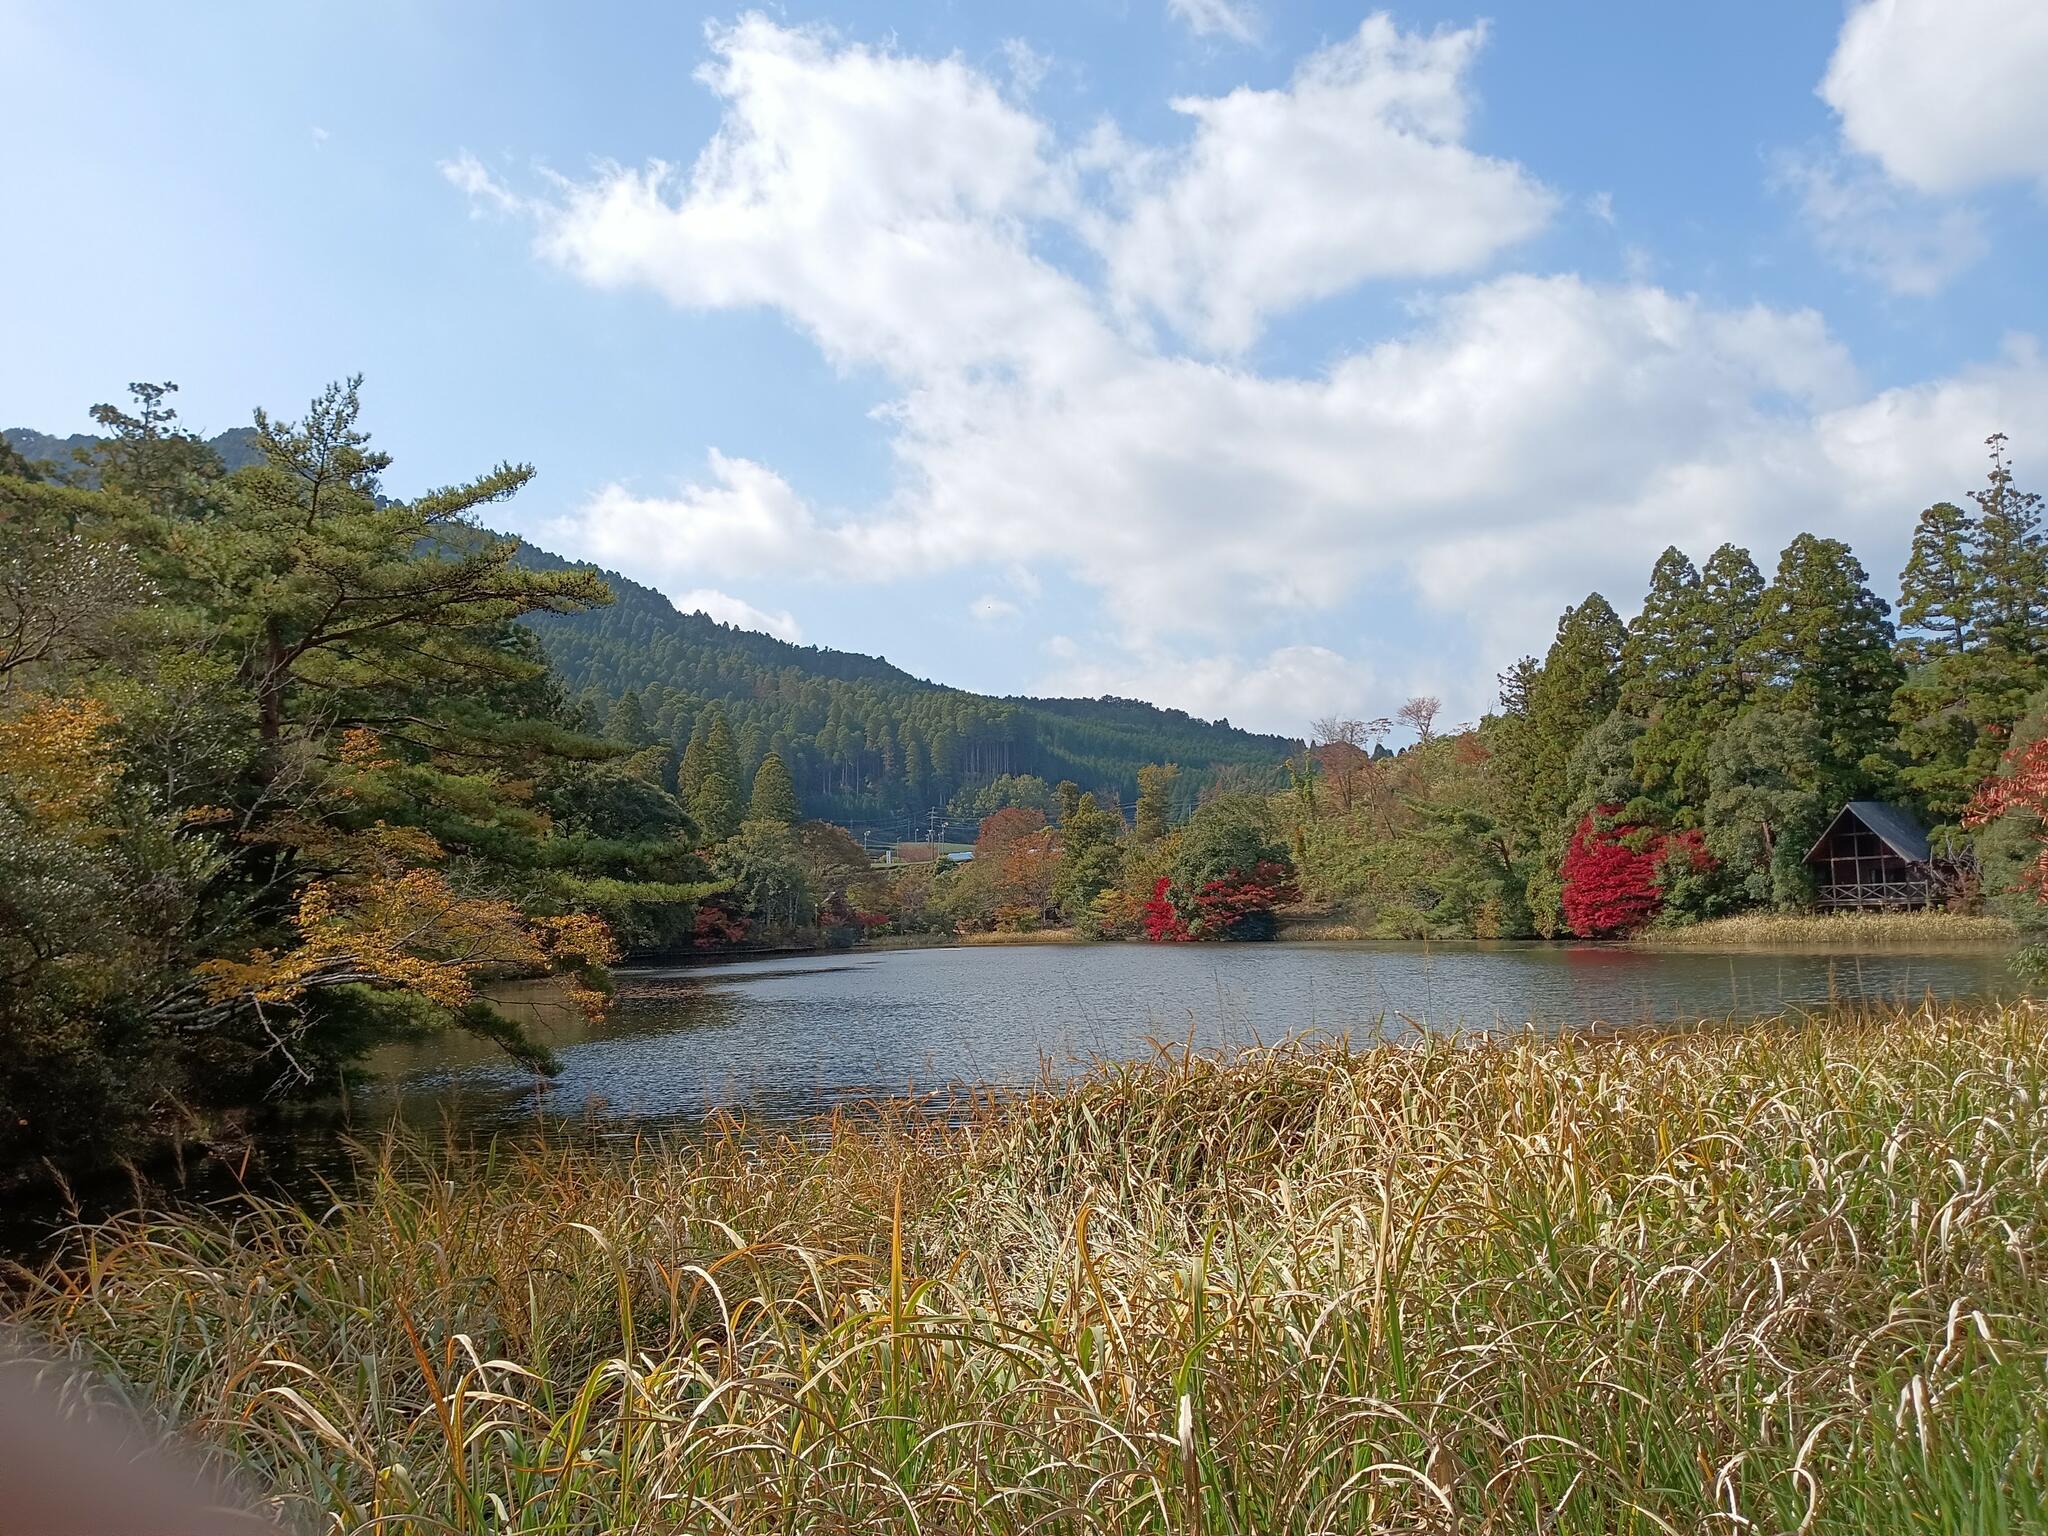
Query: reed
x=1789, y=1277
x=1029, y=936
x=1837, y=930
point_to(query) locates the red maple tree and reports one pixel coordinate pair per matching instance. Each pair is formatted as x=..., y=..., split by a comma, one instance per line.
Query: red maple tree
x=2023, y=787
x=1243, y=900
x=1163, y=922
x=1613, y=873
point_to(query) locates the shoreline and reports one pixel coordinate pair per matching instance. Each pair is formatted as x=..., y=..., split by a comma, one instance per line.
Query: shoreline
x=1847, y=932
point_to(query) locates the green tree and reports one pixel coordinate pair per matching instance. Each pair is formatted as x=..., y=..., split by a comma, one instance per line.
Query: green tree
x=690, y=772
x=716, y=807
x=1664, y=669
x=1731, y=593
x=625, y=722
x=721, y=754
x=1768, y=801
x=1091, y=858
x=1665, y=646
x=2012, y=594
x=762, y=864
x=1154, y=813
x=1577, y=689
x=1824, y=646
x=774, y=797
x=1940, y=589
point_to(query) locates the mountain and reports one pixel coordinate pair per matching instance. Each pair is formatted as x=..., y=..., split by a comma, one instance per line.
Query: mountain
x=867, y=744
x=236, y=447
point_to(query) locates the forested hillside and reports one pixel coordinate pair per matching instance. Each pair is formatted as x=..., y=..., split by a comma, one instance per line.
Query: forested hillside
x=865, y=742
x=77, y=457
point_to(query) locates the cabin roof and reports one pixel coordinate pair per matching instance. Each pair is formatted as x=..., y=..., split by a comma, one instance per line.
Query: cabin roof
x=1895, y=826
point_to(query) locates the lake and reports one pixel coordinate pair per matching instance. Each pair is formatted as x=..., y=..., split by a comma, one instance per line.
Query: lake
x=787, y=1037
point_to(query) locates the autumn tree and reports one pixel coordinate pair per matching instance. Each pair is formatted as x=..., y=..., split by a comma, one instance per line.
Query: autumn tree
x=2010, y=817
x=334, y=788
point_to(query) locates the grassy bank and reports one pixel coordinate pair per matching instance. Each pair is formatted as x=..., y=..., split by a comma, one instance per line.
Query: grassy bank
x=1836, y=930
x=1792, y=1275
x=1035, y=936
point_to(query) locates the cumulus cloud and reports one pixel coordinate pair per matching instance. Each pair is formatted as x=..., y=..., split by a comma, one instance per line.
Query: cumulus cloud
x=1275, y=692
x=1356, y=170
x=1216, y=18
x=1868, y=224
x=739, y=613
x=1946, y=95
x=745, y=521
x=1521, y=439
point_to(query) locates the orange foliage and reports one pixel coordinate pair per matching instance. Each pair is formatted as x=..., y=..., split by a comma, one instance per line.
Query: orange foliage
x=410, y=930
x=57, y=760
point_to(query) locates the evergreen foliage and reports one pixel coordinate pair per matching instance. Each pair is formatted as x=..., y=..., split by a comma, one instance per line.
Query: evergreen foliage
x=1824, y=646
x=774, y=796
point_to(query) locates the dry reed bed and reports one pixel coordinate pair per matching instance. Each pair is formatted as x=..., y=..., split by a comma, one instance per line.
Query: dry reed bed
x=1838, y=930
x=1785, y=1278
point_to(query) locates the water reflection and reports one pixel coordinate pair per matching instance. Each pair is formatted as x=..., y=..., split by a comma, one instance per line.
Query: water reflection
x=784, y=1038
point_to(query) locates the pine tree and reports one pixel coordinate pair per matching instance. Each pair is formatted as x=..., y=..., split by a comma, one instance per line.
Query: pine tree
x=691, y=773
x=1940, y=707
x=2012, y=606
x=1940, y=588
x=1155, y=802
x=715, y=808
x=1731, y=592
x=1824, y=645
x=774, y=797
x=1574, y=692
x=1661, y=655
x=625, y=722
x=720, y=755
x=1663, y=680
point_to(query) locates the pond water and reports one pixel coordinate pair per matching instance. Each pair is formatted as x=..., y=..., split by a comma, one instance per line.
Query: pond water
x=786, y=1037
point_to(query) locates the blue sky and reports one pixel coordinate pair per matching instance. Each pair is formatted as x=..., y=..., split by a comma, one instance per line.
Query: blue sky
x=1265, y=360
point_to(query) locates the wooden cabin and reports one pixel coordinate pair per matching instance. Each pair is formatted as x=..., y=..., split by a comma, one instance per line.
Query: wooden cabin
x=1873, y=856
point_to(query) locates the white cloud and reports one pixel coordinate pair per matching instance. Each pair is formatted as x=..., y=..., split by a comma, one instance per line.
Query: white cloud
x=739, y=613
x=1946, y=94
x=486, y=193
x=1276, y=692
x=1522, y=439
x=1871, y=226
x=1216, y=18
x=746, y=522
x=1026, y=64
x=1356, y=170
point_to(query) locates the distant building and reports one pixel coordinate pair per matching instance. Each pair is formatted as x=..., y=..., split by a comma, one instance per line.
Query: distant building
x=1872, y=856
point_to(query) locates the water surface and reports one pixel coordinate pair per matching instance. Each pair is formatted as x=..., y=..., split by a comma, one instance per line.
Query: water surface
x=787, y=1037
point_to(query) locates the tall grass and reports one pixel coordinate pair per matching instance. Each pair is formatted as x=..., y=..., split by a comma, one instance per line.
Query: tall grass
x=1786, y=1278
x=1837, y=930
